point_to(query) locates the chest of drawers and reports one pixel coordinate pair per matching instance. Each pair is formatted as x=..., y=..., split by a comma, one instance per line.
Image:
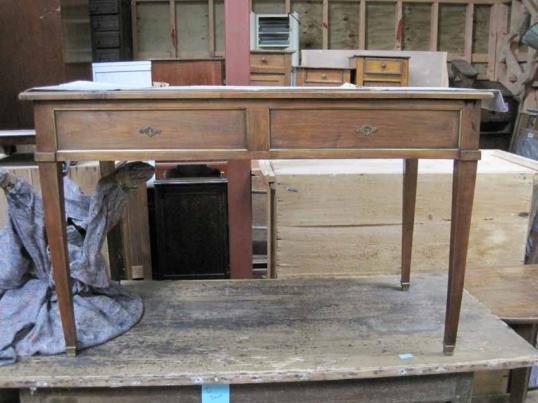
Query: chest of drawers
x=373, y=71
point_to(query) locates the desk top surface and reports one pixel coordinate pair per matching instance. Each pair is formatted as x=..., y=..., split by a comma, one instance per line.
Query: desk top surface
x=252, y=331
x=70, y=91
x=510, y=292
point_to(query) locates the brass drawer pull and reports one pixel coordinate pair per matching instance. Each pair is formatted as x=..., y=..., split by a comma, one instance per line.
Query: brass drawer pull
x=366, y=130
x=149, y=131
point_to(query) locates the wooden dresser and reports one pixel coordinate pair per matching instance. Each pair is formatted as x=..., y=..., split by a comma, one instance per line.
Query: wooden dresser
x=373, y=71
x=321, y=76
x=270, y=68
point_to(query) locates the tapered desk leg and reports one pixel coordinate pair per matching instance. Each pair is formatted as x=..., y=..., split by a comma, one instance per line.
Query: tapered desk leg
x=408, y=218
x=463, y=183
x=53, y=203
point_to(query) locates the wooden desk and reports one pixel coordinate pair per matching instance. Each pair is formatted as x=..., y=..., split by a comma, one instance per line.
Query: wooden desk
x=512, y=294
x=250, y=123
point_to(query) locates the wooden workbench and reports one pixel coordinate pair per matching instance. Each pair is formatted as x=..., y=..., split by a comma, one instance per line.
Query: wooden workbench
x=263, y=123
x=280, y=339
x=512, y=294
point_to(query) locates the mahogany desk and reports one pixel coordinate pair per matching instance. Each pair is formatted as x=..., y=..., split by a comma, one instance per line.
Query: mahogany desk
x=253, y=123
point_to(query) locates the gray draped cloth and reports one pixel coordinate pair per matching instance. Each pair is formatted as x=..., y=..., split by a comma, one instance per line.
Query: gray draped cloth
x=29, y=316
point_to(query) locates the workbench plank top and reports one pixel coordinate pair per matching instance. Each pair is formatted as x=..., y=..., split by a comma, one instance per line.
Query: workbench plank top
x=510, y=292
x=256, y=331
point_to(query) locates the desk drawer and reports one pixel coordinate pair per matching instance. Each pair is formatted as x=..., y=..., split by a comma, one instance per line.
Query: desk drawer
x=363, y=128
x=383, y=66
x=267, y=79
x=167, y=129
x=313, y=77
x=268, y=63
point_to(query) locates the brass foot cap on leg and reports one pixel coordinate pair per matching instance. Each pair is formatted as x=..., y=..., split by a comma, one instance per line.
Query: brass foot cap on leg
x=448, y=349
x=71, y=351
x=405, y=286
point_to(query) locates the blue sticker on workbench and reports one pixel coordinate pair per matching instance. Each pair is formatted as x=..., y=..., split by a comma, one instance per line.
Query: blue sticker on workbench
x=215, y=393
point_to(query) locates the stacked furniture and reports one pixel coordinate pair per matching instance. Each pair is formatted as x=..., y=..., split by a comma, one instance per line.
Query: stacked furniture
x=269, y=68
x=111, y=30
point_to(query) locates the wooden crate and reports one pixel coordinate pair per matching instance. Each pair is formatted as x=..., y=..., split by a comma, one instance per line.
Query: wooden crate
x=343, y=217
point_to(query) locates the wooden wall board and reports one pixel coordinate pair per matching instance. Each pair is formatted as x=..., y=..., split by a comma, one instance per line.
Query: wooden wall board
x=269, y=6
x=451, y=28
x=152, y=30
x=286, y=332
x=325, y=226
x=416, y=17
x=380, y=23
x=481, y=28
x=310, y=19
x=192, y=25
x=219, y=28
x=344, y=25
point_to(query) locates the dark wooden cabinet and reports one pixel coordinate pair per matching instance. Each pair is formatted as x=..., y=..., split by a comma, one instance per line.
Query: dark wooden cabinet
x=191, y=222
x=111, y=30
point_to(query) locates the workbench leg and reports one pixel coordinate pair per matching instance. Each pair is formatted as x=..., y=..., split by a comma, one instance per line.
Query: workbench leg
x=518, y=383
x=409, y=197
x=51, y=178
x=463, y=184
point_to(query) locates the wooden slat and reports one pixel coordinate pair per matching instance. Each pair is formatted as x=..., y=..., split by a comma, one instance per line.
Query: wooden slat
x=492, y=42
x=468, y=39
x=134, y=29
x=173, y=30
x=434, y=26
x=362, y=25
x=398, y=23
x=211, y=27
x=325, y=24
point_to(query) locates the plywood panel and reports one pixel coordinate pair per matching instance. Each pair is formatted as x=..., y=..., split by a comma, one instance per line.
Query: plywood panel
x=481, y=28
x=192, y=24
x=344, y=217
x=310, y=18
x=344, y=25
x=268, y=6
x=153, y=29
x=451, y=28
x=380, y=23
x=416, y=23
x=367, y=250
